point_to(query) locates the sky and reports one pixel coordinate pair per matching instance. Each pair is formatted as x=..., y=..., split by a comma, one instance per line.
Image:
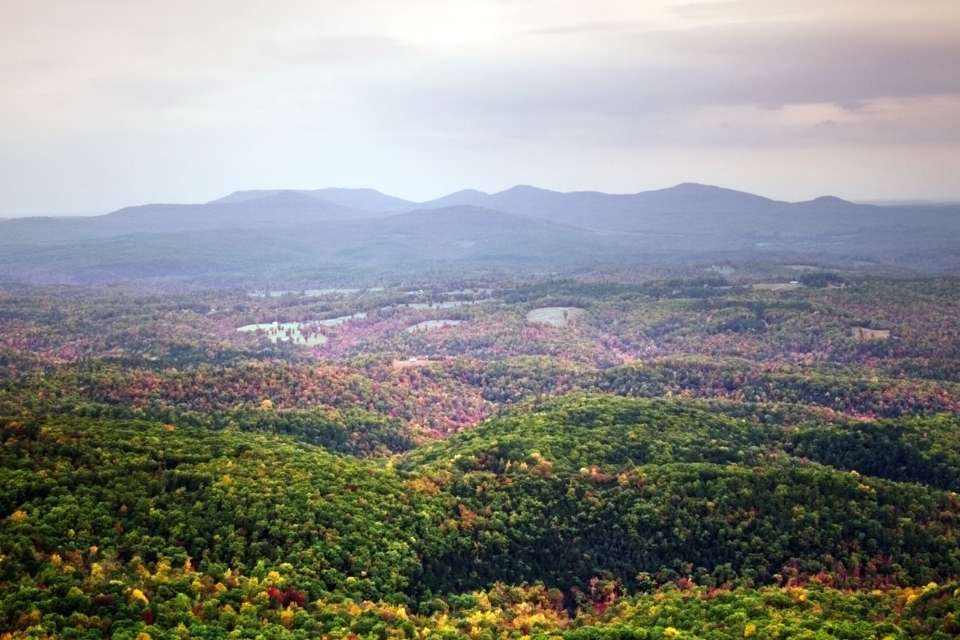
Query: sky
x=107, y=103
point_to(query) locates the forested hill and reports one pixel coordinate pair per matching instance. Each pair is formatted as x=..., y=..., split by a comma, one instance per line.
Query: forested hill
x=649, y=518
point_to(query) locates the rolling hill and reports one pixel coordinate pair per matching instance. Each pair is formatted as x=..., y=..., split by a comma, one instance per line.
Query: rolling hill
x=125, y=526
x=307, y=239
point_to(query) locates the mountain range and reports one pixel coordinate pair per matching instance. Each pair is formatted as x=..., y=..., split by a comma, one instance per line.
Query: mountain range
x=256, y=232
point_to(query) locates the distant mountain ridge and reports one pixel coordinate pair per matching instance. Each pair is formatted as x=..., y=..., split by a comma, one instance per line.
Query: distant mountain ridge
x=621, y=212
x=258, y=205
x=248, y=231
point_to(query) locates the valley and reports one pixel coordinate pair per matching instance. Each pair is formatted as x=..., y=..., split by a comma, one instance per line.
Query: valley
x=650, y=329
x=581, y=458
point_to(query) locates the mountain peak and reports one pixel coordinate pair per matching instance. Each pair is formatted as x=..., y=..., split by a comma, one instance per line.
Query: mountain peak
x=366, y=190
x=525, y=188
x=694, y=186
x=827, y=202
x=462, y=197
x=698, y=188
x=830, y=200
x=287, y=196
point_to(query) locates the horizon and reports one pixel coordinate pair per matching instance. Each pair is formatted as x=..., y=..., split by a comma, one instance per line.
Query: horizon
x=186, y=101
x=866, y=201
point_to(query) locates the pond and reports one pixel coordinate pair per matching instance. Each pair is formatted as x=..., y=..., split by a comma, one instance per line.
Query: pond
x=446, y=304
x=776, y=286
x=428, y=325
x=336, y=322
x=285, y=332
x=308, y=293
x=467, y=292
x=555, y=316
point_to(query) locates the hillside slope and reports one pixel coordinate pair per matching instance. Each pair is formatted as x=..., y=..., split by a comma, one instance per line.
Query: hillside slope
x=122, y=526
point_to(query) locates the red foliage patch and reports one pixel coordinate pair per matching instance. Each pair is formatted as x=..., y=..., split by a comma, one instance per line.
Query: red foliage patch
x=285, y=598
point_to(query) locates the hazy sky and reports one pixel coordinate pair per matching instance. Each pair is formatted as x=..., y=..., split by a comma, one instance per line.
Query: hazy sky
x=105, y=103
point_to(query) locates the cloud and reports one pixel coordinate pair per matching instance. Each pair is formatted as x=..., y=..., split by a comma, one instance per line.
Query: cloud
x=356, y=89
x=764, y=65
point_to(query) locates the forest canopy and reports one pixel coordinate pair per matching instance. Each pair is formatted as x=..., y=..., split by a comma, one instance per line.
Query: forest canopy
x=677, y=458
